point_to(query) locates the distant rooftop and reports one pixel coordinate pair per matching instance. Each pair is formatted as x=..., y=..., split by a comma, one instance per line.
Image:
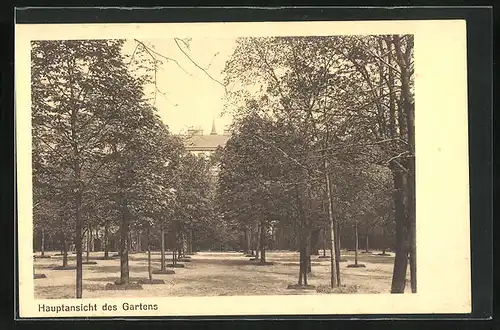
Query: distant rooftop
x=205, y=142
x=195, y=140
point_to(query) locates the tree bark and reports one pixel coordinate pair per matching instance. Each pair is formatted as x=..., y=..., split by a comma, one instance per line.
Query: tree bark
x=366, y=244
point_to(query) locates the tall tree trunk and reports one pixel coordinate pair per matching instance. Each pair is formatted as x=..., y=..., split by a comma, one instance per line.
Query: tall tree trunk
x=366, y=244
x=174, y=250
x=356, y=246
x=124, y=244
x=384, y=238
x=139, y=241
x=42, y=248
x=337, y=250
x=106, y=241
x=245, y=240
x=92, y=239
x=253, y=240
x=333, y=270
x=337, y=256
x=401, y=258
x=257, y=248
x=184, y=243
x=79, y=188
x=307, y=257
x=162, y=234
x=249, y=242
x=324, y=242
x=301, y=264
x=262, y=243
x=78, y=246
x=190, y=241
x=408, y=108
x=65, y=253
x=87, y=248
x=62, y=241
x=150, y=274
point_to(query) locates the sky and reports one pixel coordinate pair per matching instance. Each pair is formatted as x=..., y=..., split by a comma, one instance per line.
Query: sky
x=191, y=97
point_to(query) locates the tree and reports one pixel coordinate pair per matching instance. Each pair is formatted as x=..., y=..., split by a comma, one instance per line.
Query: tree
x=333, y=94
x=385, y=65
x=79, y=89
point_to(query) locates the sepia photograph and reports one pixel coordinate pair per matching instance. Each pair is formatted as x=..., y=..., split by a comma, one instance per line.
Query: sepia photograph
x=224, y=165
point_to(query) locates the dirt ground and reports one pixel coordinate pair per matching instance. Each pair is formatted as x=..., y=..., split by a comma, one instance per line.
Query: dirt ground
x=215, y=274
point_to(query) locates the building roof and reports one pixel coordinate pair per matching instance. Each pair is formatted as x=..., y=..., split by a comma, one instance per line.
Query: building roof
x=205, y=142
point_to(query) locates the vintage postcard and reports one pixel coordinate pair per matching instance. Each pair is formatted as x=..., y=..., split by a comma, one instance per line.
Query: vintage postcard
x=277, y=168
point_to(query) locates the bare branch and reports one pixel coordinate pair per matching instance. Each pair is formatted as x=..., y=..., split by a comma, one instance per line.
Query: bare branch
x=152, y=51
x=397, y=156
x=197, y=65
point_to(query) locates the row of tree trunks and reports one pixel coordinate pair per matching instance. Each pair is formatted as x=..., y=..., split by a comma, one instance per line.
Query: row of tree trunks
x=91, y=242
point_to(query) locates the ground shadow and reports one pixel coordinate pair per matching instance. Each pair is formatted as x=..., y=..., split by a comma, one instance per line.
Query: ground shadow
x=116, y=269
x=225, y=262
x=112, y=279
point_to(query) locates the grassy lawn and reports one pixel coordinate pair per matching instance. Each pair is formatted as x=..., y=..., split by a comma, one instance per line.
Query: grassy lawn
x=215, y=274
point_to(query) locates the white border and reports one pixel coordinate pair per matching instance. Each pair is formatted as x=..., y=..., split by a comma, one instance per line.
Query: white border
x=443, y=233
